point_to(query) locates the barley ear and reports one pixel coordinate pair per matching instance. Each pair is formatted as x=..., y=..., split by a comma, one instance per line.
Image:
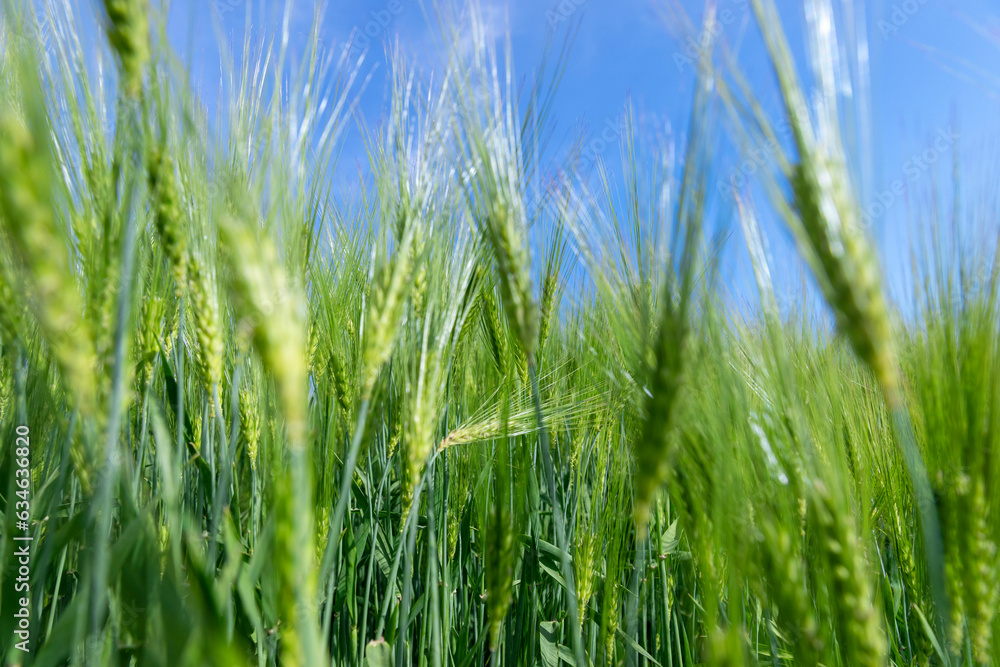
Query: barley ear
x=340, y=381
x=858, y=630
x=204, y=306
x=250, y=422
x=128, y=33
x=652, y=453
x=272, y=307
x=11, y=308
x=506, y=238
x=387, y=308
x=783, y=581
x=826, y=220
x=151, y=321
x=39, y=247
x=980, y=570
x=549, y=288
x=167, y=216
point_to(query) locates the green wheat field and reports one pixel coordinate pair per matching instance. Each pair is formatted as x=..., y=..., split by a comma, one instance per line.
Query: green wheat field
x=473, y=414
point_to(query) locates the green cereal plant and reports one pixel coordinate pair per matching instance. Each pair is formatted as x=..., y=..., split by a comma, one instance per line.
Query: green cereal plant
x=128, y=33
x=652, y=451
x=203, y=308
x=270, y=306
x=859, y=634
x=39, y=246
x=365, y=428
x=167, y=216
x=825, y=218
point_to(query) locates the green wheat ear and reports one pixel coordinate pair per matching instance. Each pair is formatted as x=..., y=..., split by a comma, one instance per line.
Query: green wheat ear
x=151, y=321
x=826, y=221
x=783, y=582
x=204, y=306
x=851, y=280
x=391, y=286
x=11, y=309
x=39, y=246
x=128, y=33
x=858, y=629
x=651, y=450
x=250, y=422
x=266, y=301
x=167, y=217
x=340, y=381
x=506, y=238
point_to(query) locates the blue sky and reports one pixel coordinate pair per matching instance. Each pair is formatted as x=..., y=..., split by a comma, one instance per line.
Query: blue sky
x=934, y=89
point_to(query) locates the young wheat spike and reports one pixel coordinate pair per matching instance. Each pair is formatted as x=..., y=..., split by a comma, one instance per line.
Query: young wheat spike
x=652, y=450
x=584, y=555
x=387, y=309
x=341, y=381
x=128, y=33
x=10, y=308
x=421, y=415
x=500, y=557
x=106, y=301
x=903, y=534
x=498, y=566
x=150, y=331
x=315, y=353
x=204, y=306
x=167, y=213
x=861, y=639
x=651, y=456
x=273, y=309
x=980, y=570
x=826, y=220
x=549, y=288
x=26, y=196
x=784, y=582
x=851, y=277
x=506, y=238
x=250, y=422
x=555, y=257
x=419, y=294
x=495, y=339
